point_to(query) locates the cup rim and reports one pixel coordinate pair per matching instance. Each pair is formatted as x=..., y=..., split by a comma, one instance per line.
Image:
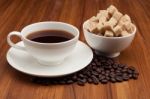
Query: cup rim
x=51, y=22
x=133, y=33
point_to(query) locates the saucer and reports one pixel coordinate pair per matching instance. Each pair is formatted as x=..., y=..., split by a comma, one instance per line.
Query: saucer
x=23, y=62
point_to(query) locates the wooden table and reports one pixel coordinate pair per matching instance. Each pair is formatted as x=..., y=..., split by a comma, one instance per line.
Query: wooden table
x=15, y=14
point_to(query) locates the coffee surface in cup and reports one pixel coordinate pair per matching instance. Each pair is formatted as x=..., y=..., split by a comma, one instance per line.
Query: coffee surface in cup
x=50, y=36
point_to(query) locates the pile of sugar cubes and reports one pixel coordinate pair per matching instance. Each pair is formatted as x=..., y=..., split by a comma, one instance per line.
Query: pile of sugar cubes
x=110, y=23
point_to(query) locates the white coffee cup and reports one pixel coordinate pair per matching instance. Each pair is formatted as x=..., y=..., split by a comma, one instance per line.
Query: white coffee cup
x=46, y=53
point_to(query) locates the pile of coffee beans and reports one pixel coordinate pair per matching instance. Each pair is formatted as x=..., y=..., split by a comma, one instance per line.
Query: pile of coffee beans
x=100, y=70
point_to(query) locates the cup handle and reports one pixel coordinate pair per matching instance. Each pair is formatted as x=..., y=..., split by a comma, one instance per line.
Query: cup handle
x=15, y=33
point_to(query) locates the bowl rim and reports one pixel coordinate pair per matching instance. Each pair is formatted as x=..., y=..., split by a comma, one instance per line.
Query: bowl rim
x=133, y=33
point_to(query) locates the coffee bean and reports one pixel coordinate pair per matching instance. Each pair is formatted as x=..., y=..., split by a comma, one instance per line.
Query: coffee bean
x=135, y=72
x=113, y=80
x=106, y=74
x=95, y=82
x=98, y=63
x=81, y=75
x=130, y=75
x=112, y=70
x=119, y=74
x=94, y=68
x=124, y=70
x=93, y=64
x=132, y=68
x=117, y=71
x=88, y=74
x=96, y=60
x=89, y=66
x=103, y=72
x=119, y=78
x=130, y=71
x=70, y=81
x=89, y=80
x=102, y=69
x=95, y=79
x=107, y=71
x=104, y=81
x=109, y=63
x=108, y=78
x=84, y=80
x=84, y=72
x=121, y=65
x=125, y=76
x=74, y=77
x=95, y=73
x=112, y=75
x=135, y=76
x=101, y=77
x=115, y=66
x=98, y=70
x=108, y=67
x=80, y=83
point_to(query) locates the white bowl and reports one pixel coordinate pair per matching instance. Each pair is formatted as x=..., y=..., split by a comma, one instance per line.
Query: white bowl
x=108, y=46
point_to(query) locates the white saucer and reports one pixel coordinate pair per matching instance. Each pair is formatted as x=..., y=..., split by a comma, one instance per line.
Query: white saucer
x=23, y=62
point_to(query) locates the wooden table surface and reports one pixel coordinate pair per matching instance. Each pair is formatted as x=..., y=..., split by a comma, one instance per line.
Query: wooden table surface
x=15, y=14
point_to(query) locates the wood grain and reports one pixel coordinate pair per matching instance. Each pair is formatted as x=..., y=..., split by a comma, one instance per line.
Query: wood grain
x=15, y=14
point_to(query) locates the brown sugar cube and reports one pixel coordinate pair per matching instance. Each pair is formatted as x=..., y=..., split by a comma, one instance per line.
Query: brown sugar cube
x=124, y=19
x=102, y=19
x=108, y=33
x=112, y=22
x=124, y=33
x=103, y=13
x=100, y=27
x=94, y=19
x=117, y=30
x=87, y=25
x=129, y=27
x=91, y=26
x=111, y=9
x=117, y=15
x=107, y=26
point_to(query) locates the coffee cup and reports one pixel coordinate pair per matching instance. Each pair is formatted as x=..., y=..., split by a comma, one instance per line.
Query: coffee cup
x=46, y=53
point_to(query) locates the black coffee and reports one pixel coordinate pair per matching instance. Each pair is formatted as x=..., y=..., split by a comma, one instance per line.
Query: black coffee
x=50, y=36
